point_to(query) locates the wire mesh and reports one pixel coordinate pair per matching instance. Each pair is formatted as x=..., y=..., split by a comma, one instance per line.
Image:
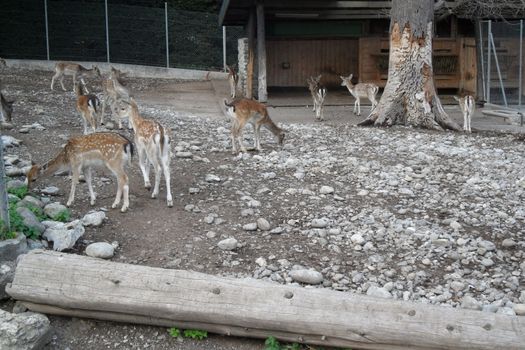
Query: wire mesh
x=137, y=34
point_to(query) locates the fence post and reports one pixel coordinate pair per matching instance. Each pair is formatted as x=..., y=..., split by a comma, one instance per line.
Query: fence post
x=224, y=63
x=47, y=29
x=107, y=29
x=489, y=32
x=498, y=69
x=520, y=86
x=167, y=37
x=4, y=212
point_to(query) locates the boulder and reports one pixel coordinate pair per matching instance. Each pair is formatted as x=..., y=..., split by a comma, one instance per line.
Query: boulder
x=10, y=249
x=25, y=331
x=64, y=236
x=101, y=250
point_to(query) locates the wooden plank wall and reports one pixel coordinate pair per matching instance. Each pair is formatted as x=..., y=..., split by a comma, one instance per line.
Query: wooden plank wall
x=310, y=57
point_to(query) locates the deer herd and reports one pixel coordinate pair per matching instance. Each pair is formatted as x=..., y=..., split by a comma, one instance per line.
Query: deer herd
x=152, y=139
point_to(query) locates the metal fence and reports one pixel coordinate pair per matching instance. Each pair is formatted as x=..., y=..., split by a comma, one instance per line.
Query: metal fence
x=99, y=30
x=503, y=62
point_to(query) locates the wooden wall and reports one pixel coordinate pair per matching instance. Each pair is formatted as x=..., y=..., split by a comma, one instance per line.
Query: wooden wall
x=290, y=62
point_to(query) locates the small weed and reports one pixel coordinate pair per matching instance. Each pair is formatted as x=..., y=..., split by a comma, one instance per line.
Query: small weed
x=272, y=343
x=174, y=332
x=63, y=216
x=4, y=234
x=20, y=192
x=39, y=213
x=17, y=223
x=195, y=334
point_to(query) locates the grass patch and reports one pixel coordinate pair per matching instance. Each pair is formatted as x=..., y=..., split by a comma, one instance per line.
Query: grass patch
x=63, y=216
x=17, y=223
x=20, y=192
x=188, y=333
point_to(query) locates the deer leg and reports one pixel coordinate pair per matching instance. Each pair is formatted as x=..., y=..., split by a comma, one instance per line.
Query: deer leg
x=85, y=124
x=240, y=129
x=122, y=187
x=157, y=168
x=167, y=176
x=144, y=166
x=53, y=80
x=92, y=195
x=234, y=132
x=84, y=84
x=62, y=82
x=75, y=173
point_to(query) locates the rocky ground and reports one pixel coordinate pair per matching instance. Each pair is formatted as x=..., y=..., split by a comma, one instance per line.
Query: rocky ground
x=396, y=213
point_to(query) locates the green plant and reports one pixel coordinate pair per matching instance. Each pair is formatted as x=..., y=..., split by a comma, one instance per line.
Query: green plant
x=174, y=332
x=195, y=334
x=17, y=223
x=271, y=343
x=20, y=192
x=4, y=234
x=63, y=216
x=39, y=213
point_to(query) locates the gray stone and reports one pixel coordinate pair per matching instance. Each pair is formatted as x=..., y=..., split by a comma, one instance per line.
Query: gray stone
x=64, y=236
x=33, y=244
x=319, y=223
x=326, y=190
x=457, y=286
x=378, y=292
x=519, y=309
x=101, y=250
x=10, y=249
x=50, y=191
x=15, y=184
x=54, y=210
x=468, y=302
x=212, y=178
x=356, y=238
x=506, y=311
x=7, y=272
x=487, y=245
x=252, y=226
x=94, y=219
x=30, y=219
x=263, y=224
x=25, y=331
x=211, y=234
x=34, y=201
x=508, y=243
x=228, y=244
x=261, y=261
x=306, y=276
x=487, y=262
x=184, y=155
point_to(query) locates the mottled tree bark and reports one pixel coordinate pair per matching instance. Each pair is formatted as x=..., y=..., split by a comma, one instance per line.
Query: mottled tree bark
x=410, y=97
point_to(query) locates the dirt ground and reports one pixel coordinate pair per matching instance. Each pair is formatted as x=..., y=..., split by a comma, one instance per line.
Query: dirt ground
x=154, y=235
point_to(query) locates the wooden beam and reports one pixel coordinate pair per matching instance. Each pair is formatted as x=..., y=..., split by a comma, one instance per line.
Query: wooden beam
x=251, y=57
x=74, y=285
x=261, y=54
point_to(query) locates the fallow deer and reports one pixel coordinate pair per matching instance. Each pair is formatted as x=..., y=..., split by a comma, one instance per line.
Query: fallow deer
x=89, y=107
x=361, y=90
x=233, y=79
x=75, y=70
x=153, y=146
x=3, y=63
x=245, y=110
x=113, y=92
x=83, y=152
x=467, y=105
x=6, y=109
x=318, y=95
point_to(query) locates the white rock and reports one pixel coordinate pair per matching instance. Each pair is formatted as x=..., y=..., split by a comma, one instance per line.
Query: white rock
x=211, y=234
x=94, y=219
x=456, y=226
x=326, y=190
x=50, y=191
x=306, y=276
x=64, y=236
x=508, y=243
x=101, y=250
x=468, y=302
x=184, y=155
x=356, y=238
x=212, y=178
x=519, y=309
x=252, y=226
x=263, y=224
x=319, y=223
x=228, y=244
x=378, y=292
x=487, y=245
x=261, y=261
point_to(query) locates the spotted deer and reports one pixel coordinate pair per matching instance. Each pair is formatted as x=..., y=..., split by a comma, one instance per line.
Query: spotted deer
x=76, y=71
x=245, y=110
x=467, y=105
x=153, y=146
x=318, y=95
x=81, y=153
x=361, y=90
x=114, y=91
x=233, y=79
x=6, y=109
x=89, y=107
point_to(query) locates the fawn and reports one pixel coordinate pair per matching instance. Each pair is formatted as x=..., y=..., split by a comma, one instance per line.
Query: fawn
x=113, y=92
x=153, y=146
x=88, y=106
x=361, y=90
x=318, y=95
x=75, y=70
x=233, y=79
x=467, y=104
x=245, y=110
x=81, y=153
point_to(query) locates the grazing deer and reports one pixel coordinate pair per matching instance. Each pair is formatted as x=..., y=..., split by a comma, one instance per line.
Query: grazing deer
x=76, y=70
x=467, y=104
x=359, y=91
x=233, y=79
x=83, y=152
x=6, y=109
x=318, y=95
x=113, y=92
x=153, y=146
x=245, y=110
x=88, y=106
x=3, y=63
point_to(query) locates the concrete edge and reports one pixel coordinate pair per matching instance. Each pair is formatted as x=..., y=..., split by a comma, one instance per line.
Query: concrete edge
x=137, y=71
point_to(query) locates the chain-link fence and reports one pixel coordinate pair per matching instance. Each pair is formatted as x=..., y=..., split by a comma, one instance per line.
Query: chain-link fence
x=84, y=31
x=502, y=68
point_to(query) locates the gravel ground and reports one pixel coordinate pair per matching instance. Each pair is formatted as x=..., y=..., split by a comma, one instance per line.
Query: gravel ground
x=396, y=213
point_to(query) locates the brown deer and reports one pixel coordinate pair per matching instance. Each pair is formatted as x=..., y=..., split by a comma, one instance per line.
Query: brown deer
x=467, y=105
x=361, y=90
x=318, y=95
x=233, y=79
x=113, y=92
x=153, y=146
x=245, y=110
x=6, y=109
x=83, y=152
x=75, y=70
x=88, y=106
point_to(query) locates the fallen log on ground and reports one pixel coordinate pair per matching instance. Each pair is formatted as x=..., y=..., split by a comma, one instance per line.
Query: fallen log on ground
x=79, y=286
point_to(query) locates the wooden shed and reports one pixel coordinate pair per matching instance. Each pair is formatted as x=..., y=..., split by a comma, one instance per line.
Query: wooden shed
x=298, y=39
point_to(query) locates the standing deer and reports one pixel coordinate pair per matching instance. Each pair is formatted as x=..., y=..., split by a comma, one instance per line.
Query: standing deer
x=467, y=104
x=245, y=110
x=6, y=109
x=88, y=106
x=359, y=91
x=113, y=92
x=81, y=153
x=153, y=146
x=318, y=95
x=233, y=79
x=75, y=70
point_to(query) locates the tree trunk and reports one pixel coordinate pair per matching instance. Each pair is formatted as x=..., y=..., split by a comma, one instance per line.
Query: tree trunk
x=410, y=97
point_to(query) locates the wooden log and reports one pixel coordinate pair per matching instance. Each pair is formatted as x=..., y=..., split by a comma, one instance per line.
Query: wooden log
x=74, y=285
x=261, y=54
x=251, y=57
